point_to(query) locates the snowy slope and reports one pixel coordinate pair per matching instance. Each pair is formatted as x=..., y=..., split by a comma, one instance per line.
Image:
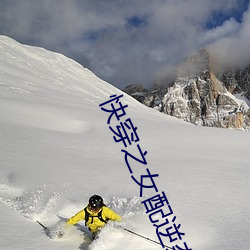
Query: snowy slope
x=57, y=150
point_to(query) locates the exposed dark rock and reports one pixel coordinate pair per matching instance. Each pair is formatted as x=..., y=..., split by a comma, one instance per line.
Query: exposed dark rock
x=200, y=96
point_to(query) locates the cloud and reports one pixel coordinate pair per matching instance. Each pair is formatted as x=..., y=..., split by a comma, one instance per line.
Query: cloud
x=233, y=48
x=125, y=42
x=228, y=28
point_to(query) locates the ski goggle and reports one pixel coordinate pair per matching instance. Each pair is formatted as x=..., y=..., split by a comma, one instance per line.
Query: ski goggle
x=94, y=208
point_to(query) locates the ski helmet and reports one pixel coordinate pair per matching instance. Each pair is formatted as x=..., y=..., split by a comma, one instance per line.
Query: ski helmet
x=95, y=202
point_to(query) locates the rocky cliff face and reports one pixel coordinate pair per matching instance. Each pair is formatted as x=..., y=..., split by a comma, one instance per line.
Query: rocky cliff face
x=200, y=96
x=237, y=81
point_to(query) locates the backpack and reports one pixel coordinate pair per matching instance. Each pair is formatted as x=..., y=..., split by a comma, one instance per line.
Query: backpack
x=99, y=216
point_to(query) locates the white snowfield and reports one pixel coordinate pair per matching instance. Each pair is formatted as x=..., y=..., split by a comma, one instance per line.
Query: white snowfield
x=57, y=150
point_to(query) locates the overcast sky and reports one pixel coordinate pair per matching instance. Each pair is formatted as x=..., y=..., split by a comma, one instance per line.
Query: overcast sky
x=131, y=41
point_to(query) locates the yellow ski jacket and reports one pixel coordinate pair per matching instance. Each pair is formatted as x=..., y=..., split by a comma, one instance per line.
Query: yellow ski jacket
x=94, y=223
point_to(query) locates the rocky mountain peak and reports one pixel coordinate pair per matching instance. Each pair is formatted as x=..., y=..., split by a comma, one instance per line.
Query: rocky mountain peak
x=200, y=96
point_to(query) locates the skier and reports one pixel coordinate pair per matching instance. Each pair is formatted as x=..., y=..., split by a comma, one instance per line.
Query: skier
x=95, y=214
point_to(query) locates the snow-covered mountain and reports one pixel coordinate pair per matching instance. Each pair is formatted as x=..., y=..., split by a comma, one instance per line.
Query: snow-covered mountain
x=201, y=95
x=57, y=150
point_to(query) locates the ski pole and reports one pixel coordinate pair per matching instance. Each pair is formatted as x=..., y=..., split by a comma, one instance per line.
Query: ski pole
x=45, y=228
x=145, y=237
